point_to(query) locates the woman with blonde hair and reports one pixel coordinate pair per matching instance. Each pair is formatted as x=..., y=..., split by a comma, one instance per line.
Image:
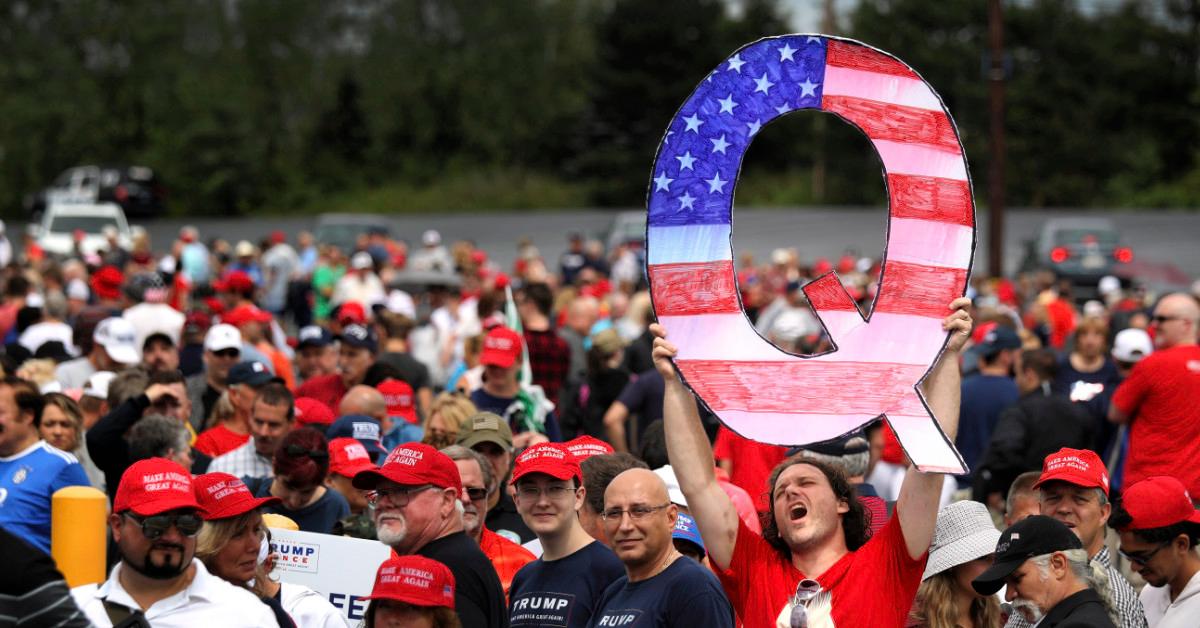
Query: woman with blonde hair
x=447, y=413
x=62, y=422
x=963, y=543
x=233, y=545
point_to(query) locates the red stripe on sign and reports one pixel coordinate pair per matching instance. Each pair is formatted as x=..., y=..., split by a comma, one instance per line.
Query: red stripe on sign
x=802, y=386
x=883, y=121
x=860, y=57
x=827, y=294
x=694, y=288
x=918, y=289
x=931, y=198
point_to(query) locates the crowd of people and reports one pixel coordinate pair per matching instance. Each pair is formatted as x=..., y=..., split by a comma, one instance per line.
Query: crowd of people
x=519, y=438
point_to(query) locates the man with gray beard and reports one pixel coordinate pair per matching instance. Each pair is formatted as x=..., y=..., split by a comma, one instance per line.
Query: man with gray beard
x=418, y=510
x=1050, y=581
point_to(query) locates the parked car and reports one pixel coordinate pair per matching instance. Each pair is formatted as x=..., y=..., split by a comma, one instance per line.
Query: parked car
x=1081, y=250
x=135, y=188
x=62, y=223
x=342, y=230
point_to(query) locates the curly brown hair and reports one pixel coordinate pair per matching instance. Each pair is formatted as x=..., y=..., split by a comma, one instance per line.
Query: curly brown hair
x=855, y=523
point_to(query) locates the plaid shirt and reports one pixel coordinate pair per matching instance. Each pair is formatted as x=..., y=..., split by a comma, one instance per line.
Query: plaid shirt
x=243, y=462
x=549, y=359
x=1124, y=598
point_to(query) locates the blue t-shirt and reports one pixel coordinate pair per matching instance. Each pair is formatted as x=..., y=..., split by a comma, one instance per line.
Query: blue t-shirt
x=565, y=592
x=318, y=516
x=983, y=398
x=684, y=594
x=27, y=481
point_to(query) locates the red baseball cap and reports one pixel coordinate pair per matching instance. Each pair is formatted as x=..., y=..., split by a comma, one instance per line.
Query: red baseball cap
x=106, y=282
x=585, y=447
x=415, y=580
x=155, y=485
x=553, y=459
x=501, y=347
x=222, y=495
x=243, y=314
x=347, y=457
x=1081, y=467
x=351, y=312
x=413, y=464
x=239, y=281
x=399, y=398
x=1158, y=502
x=310, y=411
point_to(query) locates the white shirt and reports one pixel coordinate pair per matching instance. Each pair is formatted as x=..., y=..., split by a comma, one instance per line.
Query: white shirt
x=1161, y=612
x=243, y=462
x=310, y=609
x=207, y=601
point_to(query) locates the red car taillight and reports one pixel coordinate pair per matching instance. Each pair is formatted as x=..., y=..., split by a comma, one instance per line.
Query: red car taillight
x=1060, y=254
x=1123, y=254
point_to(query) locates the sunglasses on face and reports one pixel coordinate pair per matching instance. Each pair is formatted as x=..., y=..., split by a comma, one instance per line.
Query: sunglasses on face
x=296, y=451
x=476, y=493
x=1141, y=558
x=227, y=353
x=155, y=526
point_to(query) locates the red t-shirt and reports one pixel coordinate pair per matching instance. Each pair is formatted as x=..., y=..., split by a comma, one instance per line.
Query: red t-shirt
x=507, y=557
x=218, y=440
x=1162, y=395
x=874, y=586
x=752, y=463
x=328, y=389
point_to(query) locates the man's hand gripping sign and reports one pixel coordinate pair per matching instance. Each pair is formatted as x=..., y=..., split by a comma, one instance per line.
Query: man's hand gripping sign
x=758, y=390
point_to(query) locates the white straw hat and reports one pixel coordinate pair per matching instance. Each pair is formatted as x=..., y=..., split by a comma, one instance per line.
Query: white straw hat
x=964, y=532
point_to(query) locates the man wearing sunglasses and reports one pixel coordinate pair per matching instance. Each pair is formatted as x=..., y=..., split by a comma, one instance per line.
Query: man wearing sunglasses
x=816, y=529
x=661, y=587
x=1073, y=489
x=1159, y=530
x=563, y=587
x=222, y=349
x=1160, y=400
x=416, y=496
x=158, y=580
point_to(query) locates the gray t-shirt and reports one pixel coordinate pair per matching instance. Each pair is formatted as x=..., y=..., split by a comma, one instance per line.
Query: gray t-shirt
x=74, y=373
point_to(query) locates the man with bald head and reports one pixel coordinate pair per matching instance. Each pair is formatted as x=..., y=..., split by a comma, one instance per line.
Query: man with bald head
x=368, y=401
x=660, y=586
x=1160, y=399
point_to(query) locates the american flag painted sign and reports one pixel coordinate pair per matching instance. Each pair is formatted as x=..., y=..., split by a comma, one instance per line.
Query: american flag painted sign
x=758, y=390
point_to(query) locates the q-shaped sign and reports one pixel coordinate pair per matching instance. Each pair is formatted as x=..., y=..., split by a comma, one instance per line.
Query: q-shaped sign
x=758, y=390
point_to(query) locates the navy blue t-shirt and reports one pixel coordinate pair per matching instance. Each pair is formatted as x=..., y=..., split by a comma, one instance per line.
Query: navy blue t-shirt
x=983, y=398
x=318, y=516
x=565, y=592
x=514, y=412
x=684, y=594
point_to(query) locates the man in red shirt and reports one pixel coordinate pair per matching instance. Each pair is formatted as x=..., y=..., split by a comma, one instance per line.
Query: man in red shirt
x=815, y=557
x=1161, y=398
x=356, y=355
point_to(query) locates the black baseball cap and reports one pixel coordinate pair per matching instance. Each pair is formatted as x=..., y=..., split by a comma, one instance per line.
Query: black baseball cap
x=1032, y=536
x=359, y=336
x=844, y=445
x=313, y=336
x=250, y=373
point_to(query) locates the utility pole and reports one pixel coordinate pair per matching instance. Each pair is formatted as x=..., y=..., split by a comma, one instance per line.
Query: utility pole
x=996, y=78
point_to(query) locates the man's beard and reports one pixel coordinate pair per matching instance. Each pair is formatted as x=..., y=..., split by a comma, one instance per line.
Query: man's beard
x=165, y=571
x=1034, y=614
x=390, y=535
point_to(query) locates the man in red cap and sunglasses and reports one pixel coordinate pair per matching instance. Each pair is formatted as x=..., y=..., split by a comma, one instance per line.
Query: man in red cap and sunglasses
x=418, y=510
x=159, y=580
x=1159, y=530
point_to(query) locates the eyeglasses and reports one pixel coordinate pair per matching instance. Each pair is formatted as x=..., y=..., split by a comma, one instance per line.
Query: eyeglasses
x=1159, y=319
x=1141, y=558
x=805, y=592
x=531, y=492
x=154, y=526
x=227, y=353
x=476, y=493
x=399, y=497
x=635, y=513
x=296, y=451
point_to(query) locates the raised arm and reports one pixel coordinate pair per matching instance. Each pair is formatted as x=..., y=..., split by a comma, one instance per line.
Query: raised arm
x=921, y=492
x=691, y=458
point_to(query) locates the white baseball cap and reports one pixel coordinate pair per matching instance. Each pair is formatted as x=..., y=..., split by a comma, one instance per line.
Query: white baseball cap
x=221, y=337
x=361, y=260
x=401, y=302
x=1108, y=285
x=97, y=385
x=674, y=493
x=119, y=339
x=1131, y=345
x=431, y=238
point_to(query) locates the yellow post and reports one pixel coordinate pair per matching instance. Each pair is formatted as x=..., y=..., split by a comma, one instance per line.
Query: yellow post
x=78, y=518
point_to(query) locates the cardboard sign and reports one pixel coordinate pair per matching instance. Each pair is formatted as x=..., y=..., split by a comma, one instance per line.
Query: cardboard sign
x=339, y=567
x=758, y=390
